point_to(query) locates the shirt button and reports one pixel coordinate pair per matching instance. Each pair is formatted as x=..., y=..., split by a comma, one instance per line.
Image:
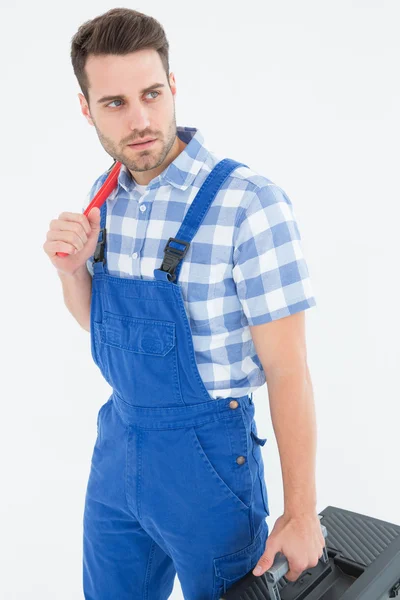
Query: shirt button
x=240, y=460
x=233, y=404
x=142, y=207
x=135, y=255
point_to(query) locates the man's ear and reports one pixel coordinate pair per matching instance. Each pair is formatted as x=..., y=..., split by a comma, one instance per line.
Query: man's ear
x=85, y=109
x=172, y=83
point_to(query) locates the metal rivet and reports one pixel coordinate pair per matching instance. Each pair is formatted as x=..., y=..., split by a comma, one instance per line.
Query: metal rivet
x=240, y=460
x=233, y=404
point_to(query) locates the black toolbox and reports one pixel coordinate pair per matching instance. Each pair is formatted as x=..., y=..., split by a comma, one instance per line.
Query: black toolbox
x=361, y=561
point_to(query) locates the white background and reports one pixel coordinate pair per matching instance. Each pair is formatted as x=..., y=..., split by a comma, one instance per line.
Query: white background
x=306, y=93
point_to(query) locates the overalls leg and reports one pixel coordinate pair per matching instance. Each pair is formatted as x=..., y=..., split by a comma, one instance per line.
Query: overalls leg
x=120, y=559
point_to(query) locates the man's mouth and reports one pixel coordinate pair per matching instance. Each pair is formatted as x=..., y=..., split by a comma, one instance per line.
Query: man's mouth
x=139, y=146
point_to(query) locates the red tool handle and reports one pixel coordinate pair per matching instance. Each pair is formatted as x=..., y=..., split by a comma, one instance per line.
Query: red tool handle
x=102, y=193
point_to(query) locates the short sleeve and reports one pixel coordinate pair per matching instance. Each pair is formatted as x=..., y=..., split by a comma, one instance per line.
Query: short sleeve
x=270, y=272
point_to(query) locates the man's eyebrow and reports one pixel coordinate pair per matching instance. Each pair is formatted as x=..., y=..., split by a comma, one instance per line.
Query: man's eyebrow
x=147, y=89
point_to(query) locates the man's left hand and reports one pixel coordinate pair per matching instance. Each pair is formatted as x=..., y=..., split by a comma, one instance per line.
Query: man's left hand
x=301, y=541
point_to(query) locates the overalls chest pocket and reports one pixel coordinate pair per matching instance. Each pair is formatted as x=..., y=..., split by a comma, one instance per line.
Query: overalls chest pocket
x=138, y=359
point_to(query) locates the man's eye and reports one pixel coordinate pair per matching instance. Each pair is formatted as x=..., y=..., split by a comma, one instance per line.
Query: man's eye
x=154, y=92
x=114, y=101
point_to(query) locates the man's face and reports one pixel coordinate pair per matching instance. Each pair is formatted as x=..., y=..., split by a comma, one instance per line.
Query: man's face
x=129, y=113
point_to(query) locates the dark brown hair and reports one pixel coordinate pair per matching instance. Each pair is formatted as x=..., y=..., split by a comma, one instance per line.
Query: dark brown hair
x=118, y=31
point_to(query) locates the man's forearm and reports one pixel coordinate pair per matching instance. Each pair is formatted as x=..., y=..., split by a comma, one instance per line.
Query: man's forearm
x=77, y=291
x=293, y=418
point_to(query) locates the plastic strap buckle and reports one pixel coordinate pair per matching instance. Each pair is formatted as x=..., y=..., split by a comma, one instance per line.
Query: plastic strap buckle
x=172, y=256
x=99, y=252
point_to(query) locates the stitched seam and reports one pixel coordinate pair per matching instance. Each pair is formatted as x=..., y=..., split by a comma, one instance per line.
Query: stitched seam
x=176, y=378
x=148, y=569
x=139, y=472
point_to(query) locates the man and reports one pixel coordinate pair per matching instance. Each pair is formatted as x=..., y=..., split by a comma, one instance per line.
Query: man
x=184, y=331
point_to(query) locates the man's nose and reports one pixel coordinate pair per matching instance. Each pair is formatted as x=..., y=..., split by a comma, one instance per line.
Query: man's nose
x=138, y=118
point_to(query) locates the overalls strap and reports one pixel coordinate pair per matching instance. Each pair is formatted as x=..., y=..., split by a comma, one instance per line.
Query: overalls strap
x=177, y=247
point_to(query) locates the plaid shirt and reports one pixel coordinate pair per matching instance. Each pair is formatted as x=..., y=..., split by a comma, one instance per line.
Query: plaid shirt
x=244, y=266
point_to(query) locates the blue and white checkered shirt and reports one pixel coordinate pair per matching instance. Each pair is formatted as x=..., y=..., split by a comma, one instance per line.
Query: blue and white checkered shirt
x=244, y=266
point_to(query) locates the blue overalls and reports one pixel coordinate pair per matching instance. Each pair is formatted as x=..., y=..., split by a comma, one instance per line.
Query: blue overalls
x=176, y=484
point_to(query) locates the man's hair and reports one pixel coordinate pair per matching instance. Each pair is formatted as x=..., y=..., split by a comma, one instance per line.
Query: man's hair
x=118, y=31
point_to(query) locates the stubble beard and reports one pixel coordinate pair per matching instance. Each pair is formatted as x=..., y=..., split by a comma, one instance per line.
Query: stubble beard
x=146, y=160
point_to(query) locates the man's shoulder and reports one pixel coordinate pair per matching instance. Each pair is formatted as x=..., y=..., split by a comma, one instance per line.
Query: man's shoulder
x=254, y=179
x=244, y=177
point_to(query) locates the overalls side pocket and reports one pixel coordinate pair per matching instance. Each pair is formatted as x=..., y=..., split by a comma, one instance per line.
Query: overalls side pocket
x=232, y=567
x=222, y=445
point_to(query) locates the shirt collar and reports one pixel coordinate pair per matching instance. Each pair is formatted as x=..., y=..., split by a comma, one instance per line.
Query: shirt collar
x=181, y=172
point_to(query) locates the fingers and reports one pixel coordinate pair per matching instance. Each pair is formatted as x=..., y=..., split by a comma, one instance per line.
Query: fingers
x=297, y=568
x=74, y=237
x=266, y=561
x=69, y=233
x=74, y=221
x=94, y=218
x=52, y=247
x=70, y=228
x=75, y=218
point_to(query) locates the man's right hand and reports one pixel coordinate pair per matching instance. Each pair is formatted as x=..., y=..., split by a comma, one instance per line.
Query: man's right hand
x=75, y=234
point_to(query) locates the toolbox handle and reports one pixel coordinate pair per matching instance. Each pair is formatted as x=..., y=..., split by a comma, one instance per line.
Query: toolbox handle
x=281, y=566
x=249, y=584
